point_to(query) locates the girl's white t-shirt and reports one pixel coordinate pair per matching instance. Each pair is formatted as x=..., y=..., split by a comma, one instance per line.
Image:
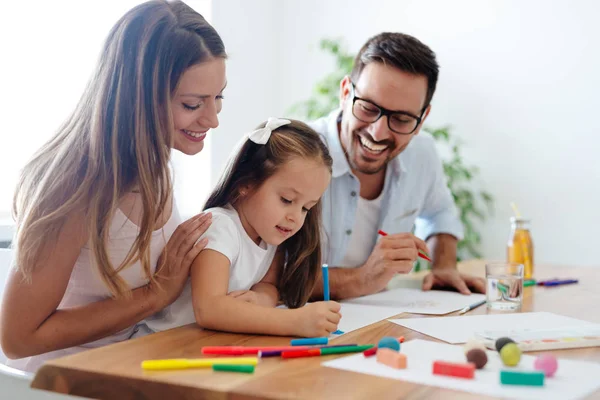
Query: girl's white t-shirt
x=249, y=263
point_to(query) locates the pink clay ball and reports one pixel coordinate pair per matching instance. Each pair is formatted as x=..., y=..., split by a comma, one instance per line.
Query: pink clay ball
x=546, y=363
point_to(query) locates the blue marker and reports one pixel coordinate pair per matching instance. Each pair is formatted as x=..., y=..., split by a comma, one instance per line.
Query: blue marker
x=325, y=269
x=326, y=297
x=309, y=341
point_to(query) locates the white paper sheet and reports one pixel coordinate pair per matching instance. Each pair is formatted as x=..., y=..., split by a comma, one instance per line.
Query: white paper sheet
x=356, y=316
x=416, y=301
x=573, y=380
x=461, y=328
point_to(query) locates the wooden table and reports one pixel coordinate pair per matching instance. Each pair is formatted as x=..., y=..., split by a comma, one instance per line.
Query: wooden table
x=114, y=372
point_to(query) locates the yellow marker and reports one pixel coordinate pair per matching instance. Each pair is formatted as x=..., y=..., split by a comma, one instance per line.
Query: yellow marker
x=184, y=363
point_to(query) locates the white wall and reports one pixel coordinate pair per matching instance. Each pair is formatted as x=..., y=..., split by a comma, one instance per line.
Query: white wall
x=251, y=31
x=43, y=75
x=519, y=83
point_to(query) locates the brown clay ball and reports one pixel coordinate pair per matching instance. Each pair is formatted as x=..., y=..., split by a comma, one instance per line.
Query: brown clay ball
x=477, y=357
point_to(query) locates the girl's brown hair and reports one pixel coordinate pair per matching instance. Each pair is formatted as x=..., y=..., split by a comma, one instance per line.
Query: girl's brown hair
x=253, y=165
x=119, y=137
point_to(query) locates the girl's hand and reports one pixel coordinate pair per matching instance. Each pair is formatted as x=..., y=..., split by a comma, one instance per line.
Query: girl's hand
x=178, y=255
x=318, y=319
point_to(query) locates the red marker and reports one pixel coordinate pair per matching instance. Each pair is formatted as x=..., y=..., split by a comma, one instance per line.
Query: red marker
x=370, y=352
x=301, y=353
x=422, y=254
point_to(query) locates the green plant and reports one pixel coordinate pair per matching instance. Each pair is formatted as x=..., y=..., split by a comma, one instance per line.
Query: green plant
x=473, y=205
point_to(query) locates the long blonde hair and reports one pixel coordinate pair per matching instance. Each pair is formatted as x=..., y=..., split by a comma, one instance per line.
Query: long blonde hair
x=119, y=137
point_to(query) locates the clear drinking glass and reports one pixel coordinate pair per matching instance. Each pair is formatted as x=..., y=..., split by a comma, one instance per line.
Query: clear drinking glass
x=504, y=286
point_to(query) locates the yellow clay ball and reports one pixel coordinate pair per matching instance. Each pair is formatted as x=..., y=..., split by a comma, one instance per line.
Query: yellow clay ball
x=510, y=354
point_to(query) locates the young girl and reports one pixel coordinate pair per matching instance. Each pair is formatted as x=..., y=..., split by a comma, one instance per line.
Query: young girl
x=264, y=241
x=100, y=245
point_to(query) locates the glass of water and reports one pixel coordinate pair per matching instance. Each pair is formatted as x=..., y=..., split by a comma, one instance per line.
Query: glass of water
x=504, y=286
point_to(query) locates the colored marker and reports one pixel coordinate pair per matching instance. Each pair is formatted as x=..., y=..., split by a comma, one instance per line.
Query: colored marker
x=248, y=369
x=242, y=350
x=309, y=341
x=345, y=349
x=529, y=282
x=370, y=352
x=277, y=353
x=558, y=282
x=422, y=254
x=325, y=351
x=185, y=363
x=301, y=353
x=325, y=270
x=326, y=295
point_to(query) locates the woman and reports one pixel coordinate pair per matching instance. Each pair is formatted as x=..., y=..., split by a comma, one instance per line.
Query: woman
x=99, y=244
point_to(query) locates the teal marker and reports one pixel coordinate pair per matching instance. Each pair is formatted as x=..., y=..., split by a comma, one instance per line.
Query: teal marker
x=325, y=269
x=309, y=341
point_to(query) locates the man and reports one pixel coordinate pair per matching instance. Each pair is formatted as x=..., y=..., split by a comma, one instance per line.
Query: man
x=386, y=176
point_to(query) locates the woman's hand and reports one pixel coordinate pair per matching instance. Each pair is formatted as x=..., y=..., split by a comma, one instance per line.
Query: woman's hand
x=178, y=255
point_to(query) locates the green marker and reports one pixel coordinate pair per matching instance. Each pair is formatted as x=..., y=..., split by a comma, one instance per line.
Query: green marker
x=248, y=369
x=345, y=349
x=529, y=282
x=503, y=288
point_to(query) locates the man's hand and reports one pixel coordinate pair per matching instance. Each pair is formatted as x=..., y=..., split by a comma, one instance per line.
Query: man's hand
x=393, y=254
x=450, y=277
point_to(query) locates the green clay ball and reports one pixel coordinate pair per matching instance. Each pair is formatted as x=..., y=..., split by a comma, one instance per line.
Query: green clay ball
x=501, y=342
x=510, y=354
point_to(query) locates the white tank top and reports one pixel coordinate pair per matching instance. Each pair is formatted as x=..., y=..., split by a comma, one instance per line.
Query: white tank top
x=85, y=285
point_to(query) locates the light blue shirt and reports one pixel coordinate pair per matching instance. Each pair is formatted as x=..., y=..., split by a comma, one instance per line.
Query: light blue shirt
x=415, y=193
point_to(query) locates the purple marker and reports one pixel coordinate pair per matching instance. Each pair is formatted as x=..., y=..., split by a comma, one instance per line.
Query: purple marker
x=557, y=283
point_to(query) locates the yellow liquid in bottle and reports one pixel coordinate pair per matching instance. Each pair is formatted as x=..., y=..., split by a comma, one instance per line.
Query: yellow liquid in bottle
x=520, y=250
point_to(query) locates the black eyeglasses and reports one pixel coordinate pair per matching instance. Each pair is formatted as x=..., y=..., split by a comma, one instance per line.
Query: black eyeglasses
x=401, y=122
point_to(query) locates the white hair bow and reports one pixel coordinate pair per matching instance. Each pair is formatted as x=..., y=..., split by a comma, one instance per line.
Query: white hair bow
x=262, y=135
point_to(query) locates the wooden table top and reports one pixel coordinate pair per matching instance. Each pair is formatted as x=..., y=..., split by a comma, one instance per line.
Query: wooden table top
x=114, y=371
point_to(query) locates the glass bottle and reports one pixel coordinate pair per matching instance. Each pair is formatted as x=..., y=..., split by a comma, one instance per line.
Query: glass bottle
x=520, y=245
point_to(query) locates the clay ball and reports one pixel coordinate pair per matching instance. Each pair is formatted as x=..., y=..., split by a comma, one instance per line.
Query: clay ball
x=510, y=354
x=546, y=363
x=501, y=342
x=389, y=342
x=473, y=344
x=477, y=357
